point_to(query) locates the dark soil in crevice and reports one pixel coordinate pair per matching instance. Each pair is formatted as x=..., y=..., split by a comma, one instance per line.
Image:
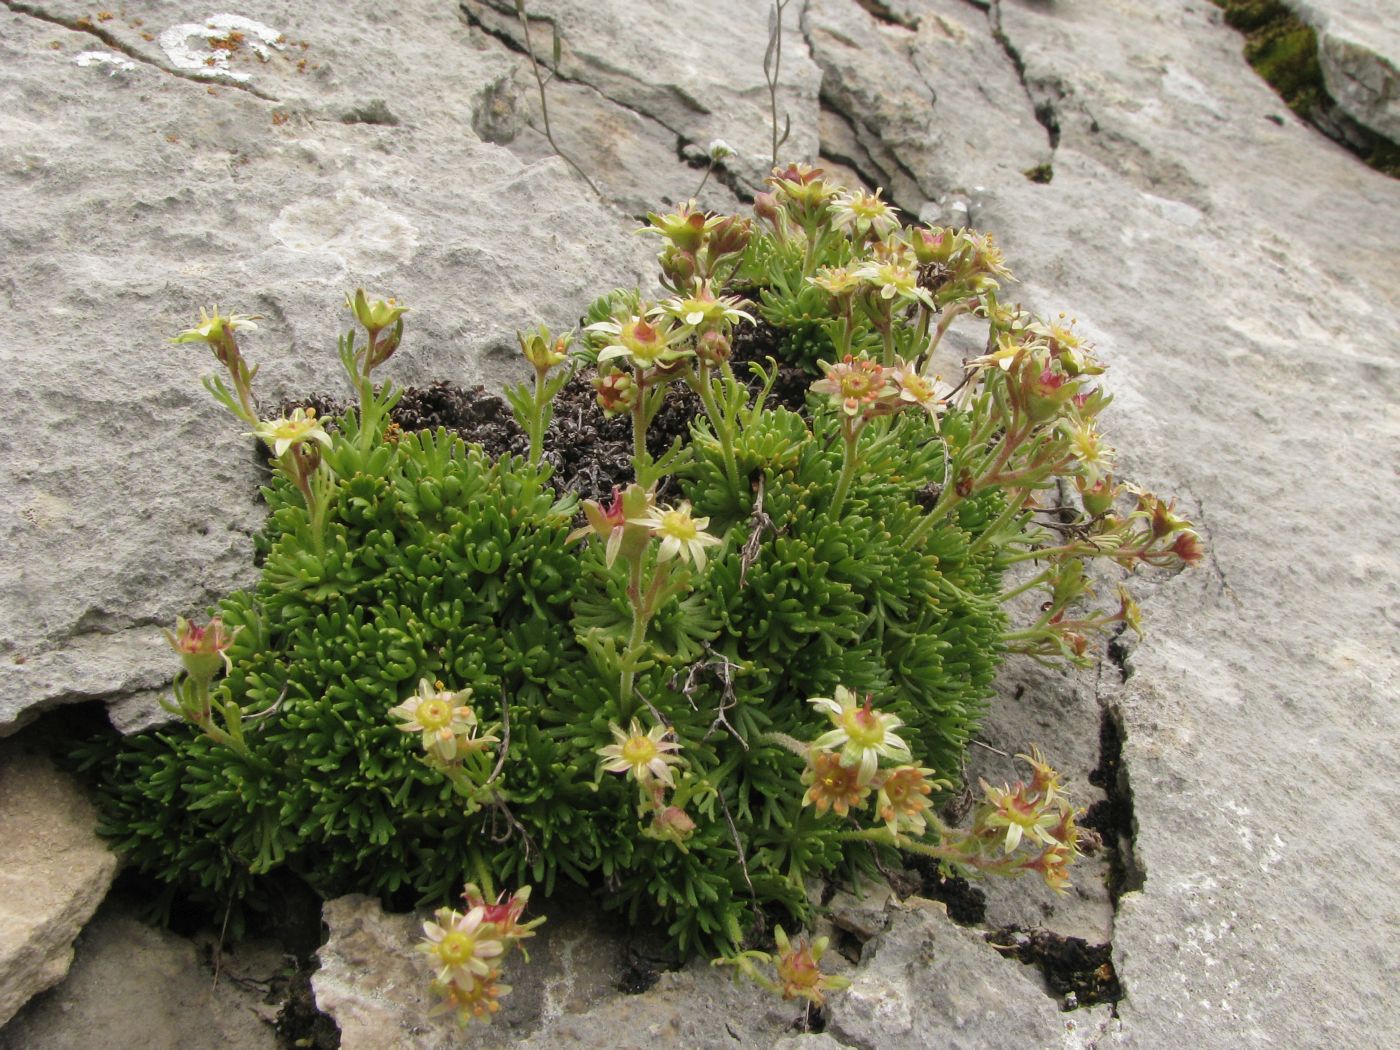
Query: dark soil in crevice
x=590, y=453
x=1112, y=818
x=1076, y=972
x=300, y=1025
x=966, y=904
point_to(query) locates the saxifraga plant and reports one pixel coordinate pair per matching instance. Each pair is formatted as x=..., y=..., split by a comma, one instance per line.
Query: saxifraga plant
x=446, y=673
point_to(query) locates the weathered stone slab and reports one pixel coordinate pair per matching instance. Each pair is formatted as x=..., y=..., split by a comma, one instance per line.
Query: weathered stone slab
x=134, y=987
x=1358, y=45
x=54, y=872
x=697, y=73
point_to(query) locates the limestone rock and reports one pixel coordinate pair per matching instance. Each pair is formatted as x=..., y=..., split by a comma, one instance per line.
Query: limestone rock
x=906, y=100
x=134, y=987
x=927, y=982
x=137, y=193
x=54, y=872
x=698, y=74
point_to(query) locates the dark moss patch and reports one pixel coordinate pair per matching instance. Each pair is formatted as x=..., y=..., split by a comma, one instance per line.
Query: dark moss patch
x=1041, y=173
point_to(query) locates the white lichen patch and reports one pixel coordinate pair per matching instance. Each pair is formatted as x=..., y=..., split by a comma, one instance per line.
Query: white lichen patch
x=117, y=63
x=195, y=48
x=361, y=234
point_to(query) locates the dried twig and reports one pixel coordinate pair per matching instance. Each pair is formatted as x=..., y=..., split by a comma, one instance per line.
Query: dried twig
x=758, y=521
x=772, y=65
x=542, y=80
x=505, y=739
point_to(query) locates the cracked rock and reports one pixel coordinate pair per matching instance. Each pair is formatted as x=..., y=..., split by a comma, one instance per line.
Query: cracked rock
x=135, y=987
x=923, y=111
x=928, y=982
x=133, y=201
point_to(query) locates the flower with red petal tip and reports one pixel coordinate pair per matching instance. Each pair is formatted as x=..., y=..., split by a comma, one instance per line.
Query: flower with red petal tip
x=202, y=649
x=504, y=913
x=799, y=969
x=855, y=385
x=863, y=734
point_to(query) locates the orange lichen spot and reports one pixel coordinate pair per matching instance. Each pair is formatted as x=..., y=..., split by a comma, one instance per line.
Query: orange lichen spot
x=303, y=44
x=212, y=91
x=105, y=16
x=230, y=42
x=279, y=118
x=83, y=23
x=172, y=138
x=301, y=66
x=148, y=36
x=55, y=45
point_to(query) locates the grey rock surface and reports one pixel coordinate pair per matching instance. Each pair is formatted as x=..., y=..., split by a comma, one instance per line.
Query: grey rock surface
x=1237, y=270
x=375, y=987
x=136, y=193
x=1358, y=45
x=134, y=987
x=54, y=872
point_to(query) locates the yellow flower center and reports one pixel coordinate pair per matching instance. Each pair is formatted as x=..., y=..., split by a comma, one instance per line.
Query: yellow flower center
x=869, y=207
x=639, y=750
x=435, y=714
x=678, y=525
x=456, y=948
x=863, y=726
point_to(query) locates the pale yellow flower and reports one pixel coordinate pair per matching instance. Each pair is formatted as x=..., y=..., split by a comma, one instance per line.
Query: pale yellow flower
x=461, y=947
x=681, y=535
x=447, y=724
x=863, y=734
x=645, y=756
x=282, y=434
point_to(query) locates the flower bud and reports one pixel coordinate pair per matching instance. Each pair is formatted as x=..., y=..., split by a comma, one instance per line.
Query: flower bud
x=201, y=649
x=616, y=392
x=542, y=350
x=713, y=347
x=375, y=315
x=765, y=206
x=1098, y=497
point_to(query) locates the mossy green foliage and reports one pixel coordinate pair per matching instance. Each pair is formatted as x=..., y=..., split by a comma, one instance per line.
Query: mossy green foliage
x=1283, y=50
x=440, y=563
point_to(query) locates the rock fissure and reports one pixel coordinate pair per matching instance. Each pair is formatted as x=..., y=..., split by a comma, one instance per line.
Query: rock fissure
x=1043, y=108
x=85, y=25
x=884, y=14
